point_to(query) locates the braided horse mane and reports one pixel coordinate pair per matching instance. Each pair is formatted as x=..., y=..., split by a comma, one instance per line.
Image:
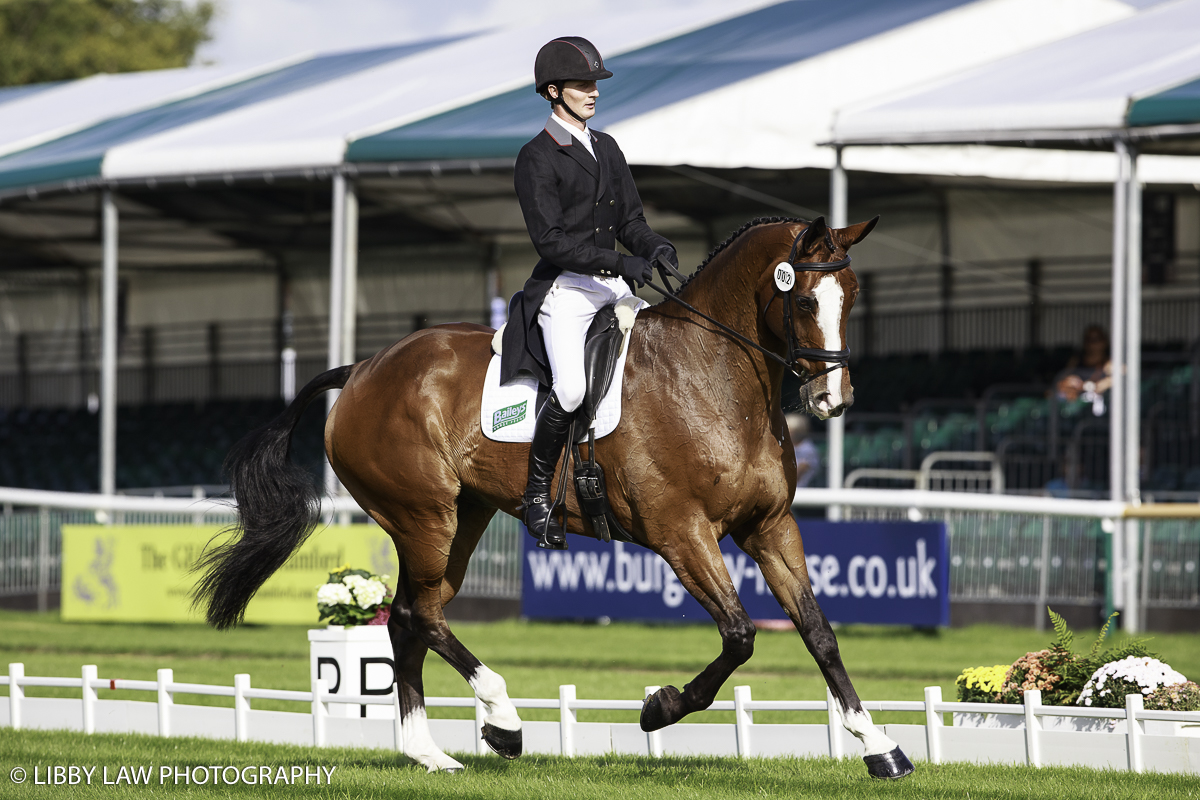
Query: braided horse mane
x=723, y=245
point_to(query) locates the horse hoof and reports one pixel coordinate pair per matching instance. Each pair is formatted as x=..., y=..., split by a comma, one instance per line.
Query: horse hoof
x=891, y=765
x=661, y=709
x=506, y=743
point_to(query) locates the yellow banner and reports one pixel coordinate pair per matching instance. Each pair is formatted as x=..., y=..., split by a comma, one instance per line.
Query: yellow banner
x=141, y=573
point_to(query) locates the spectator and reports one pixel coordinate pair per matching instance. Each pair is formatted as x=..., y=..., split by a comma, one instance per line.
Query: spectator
x=1088, y=374
x=808, y=459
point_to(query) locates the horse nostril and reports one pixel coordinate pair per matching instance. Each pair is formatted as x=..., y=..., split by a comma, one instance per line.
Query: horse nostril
x=822, y=399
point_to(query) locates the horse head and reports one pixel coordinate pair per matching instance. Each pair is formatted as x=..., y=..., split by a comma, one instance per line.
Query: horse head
x=823, y=299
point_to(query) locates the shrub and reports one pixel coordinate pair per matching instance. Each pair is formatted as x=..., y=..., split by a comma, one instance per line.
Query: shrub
x=1059, y=672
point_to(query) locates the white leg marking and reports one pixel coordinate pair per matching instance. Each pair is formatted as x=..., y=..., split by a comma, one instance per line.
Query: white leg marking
x=419, y=746
x=829, y=297
x=493, y=692
x=859, y=723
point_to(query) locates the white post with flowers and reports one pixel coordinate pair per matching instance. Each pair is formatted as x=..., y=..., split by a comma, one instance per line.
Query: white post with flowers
x=353, y=660
x=353, y=655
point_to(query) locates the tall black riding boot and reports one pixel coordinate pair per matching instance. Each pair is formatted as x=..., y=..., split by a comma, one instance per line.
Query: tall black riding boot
x=550, y=433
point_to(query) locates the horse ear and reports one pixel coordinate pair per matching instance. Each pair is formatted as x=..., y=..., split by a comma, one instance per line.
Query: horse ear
x=852, y=235
x=817, y=231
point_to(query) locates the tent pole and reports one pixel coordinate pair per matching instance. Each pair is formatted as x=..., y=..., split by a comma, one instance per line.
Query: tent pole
x=836, y=426
x=337, y=286
x=350, y=282
x=1116, y=395
x=108, y=344
x=1133, y=332
x=1133, y=382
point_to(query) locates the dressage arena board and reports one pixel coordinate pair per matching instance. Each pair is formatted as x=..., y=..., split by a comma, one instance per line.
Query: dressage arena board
x=1037, y=735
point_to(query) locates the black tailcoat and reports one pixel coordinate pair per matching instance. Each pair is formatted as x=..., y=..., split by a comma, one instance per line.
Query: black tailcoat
x=576, y=209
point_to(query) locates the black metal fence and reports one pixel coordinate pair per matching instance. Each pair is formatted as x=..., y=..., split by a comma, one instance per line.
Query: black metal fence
x=187, y=362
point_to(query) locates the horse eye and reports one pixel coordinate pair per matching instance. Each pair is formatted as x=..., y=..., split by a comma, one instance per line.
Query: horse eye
x=806, y=303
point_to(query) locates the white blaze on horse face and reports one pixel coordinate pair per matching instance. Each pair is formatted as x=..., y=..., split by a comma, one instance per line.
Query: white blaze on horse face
x=419, y=745
x=859, y=723
x=829, y=296
x=493, y=692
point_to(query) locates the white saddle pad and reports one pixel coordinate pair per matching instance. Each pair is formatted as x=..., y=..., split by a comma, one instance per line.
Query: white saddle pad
x=508, y=412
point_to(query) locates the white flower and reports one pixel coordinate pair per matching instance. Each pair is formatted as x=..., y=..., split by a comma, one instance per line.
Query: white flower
x=367, y=591
x=333, y=594
x=1148, y=673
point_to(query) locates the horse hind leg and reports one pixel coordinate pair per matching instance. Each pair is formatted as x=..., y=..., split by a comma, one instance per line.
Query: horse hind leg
x=780, y=556
x=428, y=588
x=409, y=654
x=501, y=724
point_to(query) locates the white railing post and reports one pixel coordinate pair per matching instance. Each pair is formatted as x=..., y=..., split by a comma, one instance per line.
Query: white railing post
x=198, y=517
x=241, y=707
x=165, y=700
x=567, y=717
x=16, y=694
x=654, y=738
x=1134, y=732
x=836, y=750
x=743, y=719
x=934, y=722
x=89, y=698
x=397, y=723
x=481, y=748
x=319, y=690
x=1033, y=727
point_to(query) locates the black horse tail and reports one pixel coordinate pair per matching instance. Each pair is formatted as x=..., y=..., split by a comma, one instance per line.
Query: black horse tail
x=278, y=506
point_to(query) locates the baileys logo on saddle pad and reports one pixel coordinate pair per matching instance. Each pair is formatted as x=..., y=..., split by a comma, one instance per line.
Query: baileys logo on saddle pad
x=507, y=412
x=509, y=415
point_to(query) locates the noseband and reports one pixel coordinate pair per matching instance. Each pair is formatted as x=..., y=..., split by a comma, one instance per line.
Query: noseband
x=785, y=282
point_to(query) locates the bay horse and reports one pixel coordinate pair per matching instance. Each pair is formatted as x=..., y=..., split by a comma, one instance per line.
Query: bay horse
x=702, y=452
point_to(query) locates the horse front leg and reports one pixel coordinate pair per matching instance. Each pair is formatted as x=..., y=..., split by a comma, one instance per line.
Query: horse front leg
x=701, y=570
x=779, y=552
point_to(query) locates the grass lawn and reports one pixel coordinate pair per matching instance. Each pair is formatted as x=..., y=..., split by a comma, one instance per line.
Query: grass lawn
x=367, y=774
x=613, y=661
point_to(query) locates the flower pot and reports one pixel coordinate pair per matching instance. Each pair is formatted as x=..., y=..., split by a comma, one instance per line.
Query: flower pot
x=354, y=660
x=1017, y=722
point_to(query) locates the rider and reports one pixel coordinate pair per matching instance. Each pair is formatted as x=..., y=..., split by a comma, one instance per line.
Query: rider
x=579, y=200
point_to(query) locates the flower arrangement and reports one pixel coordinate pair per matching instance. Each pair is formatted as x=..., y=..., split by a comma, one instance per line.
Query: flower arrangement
x=1098, y=678
x=1131, y=675
x=354, y=597
x=981, y=684
x=1176, y=697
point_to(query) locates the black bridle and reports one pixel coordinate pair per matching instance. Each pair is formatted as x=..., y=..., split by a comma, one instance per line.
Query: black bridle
x=784, y=276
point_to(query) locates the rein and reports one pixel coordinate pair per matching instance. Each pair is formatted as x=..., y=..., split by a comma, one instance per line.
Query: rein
x=784, y=275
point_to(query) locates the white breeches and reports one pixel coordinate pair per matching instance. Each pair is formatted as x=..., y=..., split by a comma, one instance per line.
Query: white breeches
x=565, y=317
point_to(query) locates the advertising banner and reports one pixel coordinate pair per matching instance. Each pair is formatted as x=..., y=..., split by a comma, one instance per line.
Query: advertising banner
x=141, y=573
x=871, y=572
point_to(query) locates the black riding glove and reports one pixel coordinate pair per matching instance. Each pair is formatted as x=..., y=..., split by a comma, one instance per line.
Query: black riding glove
x=636, y=268
x=669, y=252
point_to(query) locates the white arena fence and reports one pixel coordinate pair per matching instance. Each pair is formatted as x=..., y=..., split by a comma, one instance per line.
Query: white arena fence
x=1003, y=548
x=1131, y=738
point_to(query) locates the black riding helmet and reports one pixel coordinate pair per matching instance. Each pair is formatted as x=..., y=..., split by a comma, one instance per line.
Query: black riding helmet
x=567, y=58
